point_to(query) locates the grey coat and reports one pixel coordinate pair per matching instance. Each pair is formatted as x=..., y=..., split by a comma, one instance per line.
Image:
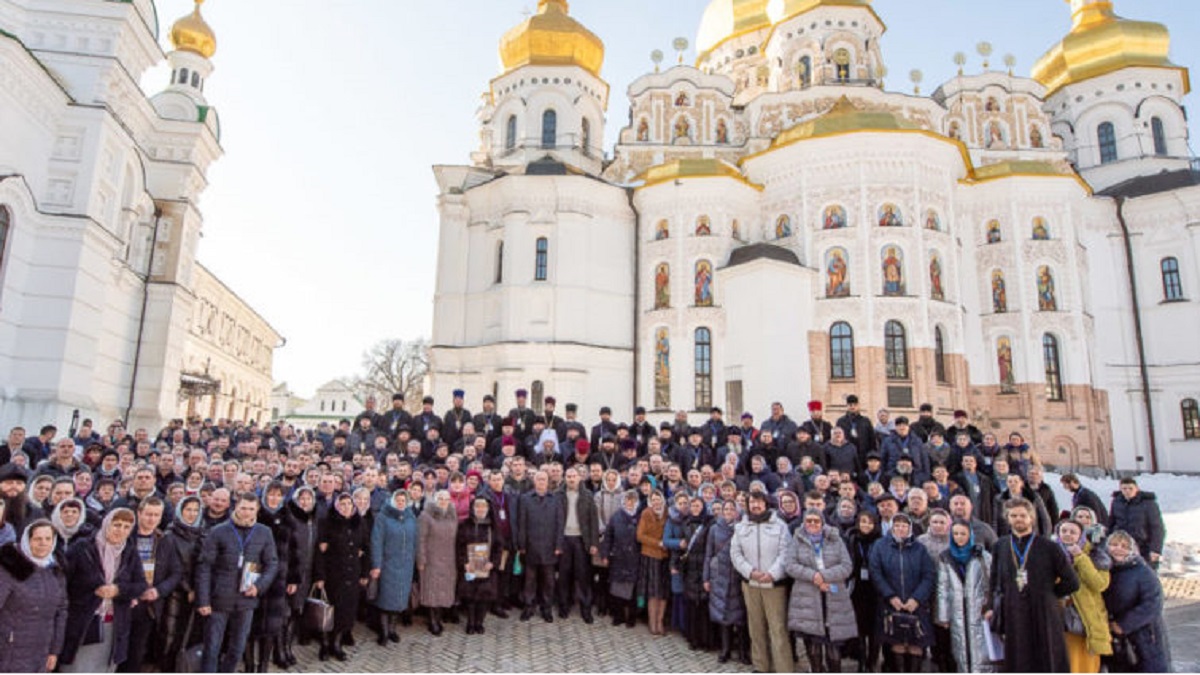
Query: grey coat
x=726, y=605
x=33, y=611
x=437, y=557
x=966, y=622
x=810, y=611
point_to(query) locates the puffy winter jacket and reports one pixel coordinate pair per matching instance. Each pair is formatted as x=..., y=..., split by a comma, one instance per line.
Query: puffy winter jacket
x=726, y=606
x=33, y=611
x=764, y=546
x=1135, y=602
x=810, y=611
x=962, y=598
x=1141, y=518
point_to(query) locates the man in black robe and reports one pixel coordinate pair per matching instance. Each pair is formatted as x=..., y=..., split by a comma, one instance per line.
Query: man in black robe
x=1030, y=574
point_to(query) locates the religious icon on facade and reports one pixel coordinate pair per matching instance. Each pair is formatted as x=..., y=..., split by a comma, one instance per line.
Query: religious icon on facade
x=955, y=131
x=838, y=270
x=735, y=230
x=932, y=220
x=1041, y=231
x=936, y=291
x=643, y=131
x=703, y=226
x=890, y=216
x=992, y=105
x=835, y=217
x=704, y=283
x=993, y=232
x=783, y=227
x=662, y=286
x=1035, y=138
x=994, y=136
x=662, y=369
x=1047, y=301
x=893, y=271
x=662, y=230
x=999, y=293
x=722, y=132
x=681, y=100
x=1004, y=361
x=683, y=128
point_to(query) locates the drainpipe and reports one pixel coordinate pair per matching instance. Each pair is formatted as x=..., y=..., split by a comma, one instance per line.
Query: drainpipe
x=1143, y=369
x=137, y=352
x=637, y=278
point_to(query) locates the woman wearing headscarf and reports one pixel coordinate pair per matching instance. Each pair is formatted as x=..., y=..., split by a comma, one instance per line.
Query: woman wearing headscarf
x=654, y=576
x=608, y=502
x=1093, y=530
x=393, y=561
x=70, y=524
x=273, y=610
x=726, y=606
x=477, y=575
x=104, y=575
x=39, y=491
x=819, y=608
x=303, y=508
x=904, y=576
x=689, y=560
x=1087, y=634
x=674, y=538
x=366, y=609
x=1135, y=606
x=33, y=601
x=185, y=535
x=341, y=569
x=621, y=553
x=863, y=595
x=936, y=541
x=964, y=585
x=436, y=557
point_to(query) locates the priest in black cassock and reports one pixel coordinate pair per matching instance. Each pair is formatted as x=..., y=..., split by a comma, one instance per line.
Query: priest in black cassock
x=1030, y=573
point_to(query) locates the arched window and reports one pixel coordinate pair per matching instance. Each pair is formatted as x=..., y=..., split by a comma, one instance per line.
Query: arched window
x=539, y=265
x=1054, y=385
x=1160, y=136
x=1172, y=286
x=586, y=133
x=510, y=133
x=549, y=129
x=499, y=262
x=183, y=76
x=1191, y=418
x=322, y=406
x=804, y=71
x=895, y=351
x=841, y=58
x=841, y=351
x=939, y=355
x=1107, y=136
x=195, y=79
x=703, y=369
x=538, y=391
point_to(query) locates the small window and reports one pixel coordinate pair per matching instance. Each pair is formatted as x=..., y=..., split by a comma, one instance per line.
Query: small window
x=1172, y=286
x=895, y=348
x=1191, y=418
x=939, y=355
x=343, y=406
x=804, y=72
x=1160, y=136
x=539, y=267
x=322, y=406
x=510, y=133
x=195, y=79
x=183, y=76
x=1107, y=136
x=586, y=132
x=499, y=262
x=549, y=130
x=1054, y=385
x=841, y=351
x=703, y=369
x=538, y=391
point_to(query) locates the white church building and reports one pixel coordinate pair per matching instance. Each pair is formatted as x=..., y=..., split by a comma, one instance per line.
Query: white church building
x=774, y=225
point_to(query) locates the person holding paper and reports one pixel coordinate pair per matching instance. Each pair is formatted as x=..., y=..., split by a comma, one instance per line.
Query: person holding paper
x=479, y=549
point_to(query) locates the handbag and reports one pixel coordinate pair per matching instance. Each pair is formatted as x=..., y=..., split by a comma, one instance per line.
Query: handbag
x=903, y=628
x=190, y=659
x=318, y=613
x=1073, y=622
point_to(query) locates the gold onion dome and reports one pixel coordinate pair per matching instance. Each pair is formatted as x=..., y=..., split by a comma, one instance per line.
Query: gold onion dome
x=782, y=10
x=552, y=38
x=845, y=117
x=1100, y=42
x=725, y=19
x=193, y=34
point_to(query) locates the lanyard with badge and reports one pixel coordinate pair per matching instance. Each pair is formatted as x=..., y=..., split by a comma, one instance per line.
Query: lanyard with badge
x=1020, y=558
x=241, y=547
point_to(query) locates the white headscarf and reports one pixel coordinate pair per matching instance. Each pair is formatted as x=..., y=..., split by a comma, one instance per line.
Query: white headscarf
x=40, y=562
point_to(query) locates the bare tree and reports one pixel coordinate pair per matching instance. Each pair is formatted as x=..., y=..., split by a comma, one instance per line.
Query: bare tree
x=393, y=366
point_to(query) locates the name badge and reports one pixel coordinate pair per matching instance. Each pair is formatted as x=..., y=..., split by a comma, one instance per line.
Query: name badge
x=503, y=515
x=241, y=561
x=853, y=432
x=864, y=574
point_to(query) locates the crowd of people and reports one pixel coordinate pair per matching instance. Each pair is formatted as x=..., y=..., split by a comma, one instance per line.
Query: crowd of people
x=906, y=545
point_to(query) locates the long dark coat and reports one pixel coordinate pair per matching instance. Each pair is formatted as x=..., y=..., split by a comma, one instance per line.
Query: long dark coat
x=185, y=542
x=539, y=528
x=690, y=562
x=304, y=550
x=1135, y=600
x=1032, y=620
x=341, y=565
x=436, y=555
x=1141, y=518
x=275, y=605
x=472, y=531
x=33, y=611
x=84, y=575
x=621, y=548
x=863, y=595
x=905, y=570
x=394, y=554
x=726, y=605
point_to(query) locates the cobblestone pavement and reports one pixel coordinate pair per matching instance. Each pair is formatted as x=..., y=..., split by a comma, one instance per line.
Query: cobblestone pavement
x=570, y=646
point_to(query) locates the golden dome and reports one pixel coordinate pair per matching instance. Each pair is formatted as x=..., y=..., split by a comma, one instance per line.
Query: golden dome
x=725, y=19
x=693, y=168
x=782, y=10
x=845, y=117
x=1101, y=42
x=192, y=34
x=552, y=38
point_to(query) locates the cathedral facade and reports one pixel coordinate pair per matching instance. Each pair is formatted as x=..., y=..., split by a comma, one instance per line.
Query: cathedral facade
x=104, y=307
x=774, y=225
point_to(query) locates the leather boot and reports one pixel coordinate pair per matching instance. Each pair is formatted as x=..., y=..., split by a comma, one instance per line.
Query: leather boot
x=815, y=661
x=262, y=661
x=248, y=664
x=452, y=615
x=336, y=650
x=289, y=635
x=833, y=659
x=726, y=644
x=278, y=654
x=435, y=620
x=385, y=624
x=323, y=650
x=481, y=613
x=744, y=646
x=916, y=663
x=392, y=635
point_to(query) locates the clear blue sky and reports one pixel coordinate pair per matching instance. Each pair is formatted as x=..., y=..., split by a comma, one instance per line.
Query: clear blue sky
x=322, y=213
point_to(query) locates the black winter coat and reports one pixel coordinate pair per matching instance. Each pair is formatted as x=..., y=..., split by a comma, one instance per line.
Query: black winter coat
x=304, y=550
x=275, y=606
x=470, y=532
x=33, y=611
x=218, y=575
x=84, y=575
x=539, y=528
x=341, y=563
x=1135, y=601
x=621, y=548
x=1141, y=518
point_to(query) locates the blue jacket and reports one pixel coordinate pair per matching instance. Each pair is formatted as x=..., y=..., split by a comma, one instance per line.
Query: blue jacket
x=1141, y=518
x=218, y=575
x=1135, y=601
x=894, y=447
x=905, y=571
x=726, y=606
x=394, y=553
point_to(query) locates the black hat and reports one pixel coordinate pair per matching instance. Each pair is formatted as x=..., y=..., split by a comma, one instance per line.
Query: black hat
x=605, y=410
x=427, y=399
x=397, y=397
x=640, y=410
x=550, y=400
x=926, y=407
x=717, y=410
x=664, y=425
x=904, y=458
x=571, y=407
x=852, y=399
x=901, y=420
x=874, y=454
x=11, y=471
x=628, y=444
x=489, y=397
